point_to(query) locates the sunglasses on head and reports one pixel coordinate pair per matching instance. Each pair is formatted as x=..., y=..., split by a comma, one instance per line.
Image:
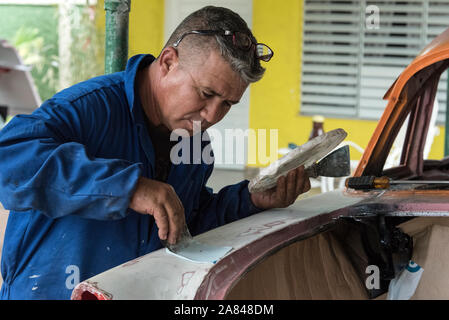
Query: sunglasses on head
x=239, y=40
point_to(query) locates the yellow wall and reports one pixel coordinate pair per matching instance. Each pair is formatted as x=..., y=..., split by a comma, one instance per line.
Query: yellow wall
x=275, y=100
x=146, y=27
x=437, y=151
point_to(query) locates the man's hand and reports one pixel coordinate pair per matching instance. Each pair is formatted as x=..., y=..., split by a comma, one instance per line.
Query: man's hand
x=287, y=190
x=161, y=201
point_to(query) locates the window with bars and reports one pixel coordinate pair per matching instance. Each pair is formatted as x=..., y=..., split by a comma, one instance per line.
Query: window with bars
x=347, y=67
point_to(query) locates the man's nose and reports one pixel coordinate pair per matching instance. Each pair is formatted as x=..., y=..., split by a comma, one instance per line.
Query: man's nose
x=212, y=111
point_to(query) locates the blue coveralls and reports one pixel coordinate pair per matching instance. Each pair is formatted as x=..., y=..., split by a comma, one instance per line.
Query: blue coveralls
x=67, y=173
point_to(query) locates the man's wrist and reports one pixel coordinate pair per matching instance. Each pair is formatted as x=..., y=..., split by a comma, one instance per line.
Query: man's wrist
x=254, y=202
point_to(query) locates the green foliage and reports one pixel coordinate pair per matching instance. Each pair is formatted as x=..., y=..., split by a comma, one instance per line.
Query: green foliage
x=18, y=24
x=33, y=30
x=34, y=51
x=87, y=49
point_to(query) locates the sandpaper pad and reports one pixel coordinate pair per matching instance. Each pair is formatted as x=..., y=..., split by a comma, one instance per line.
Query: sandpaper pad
x=306, y=155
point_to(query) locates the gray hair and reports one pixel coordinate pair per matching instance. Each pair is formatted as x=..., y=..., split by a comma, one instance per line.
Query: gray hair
x=218, y=18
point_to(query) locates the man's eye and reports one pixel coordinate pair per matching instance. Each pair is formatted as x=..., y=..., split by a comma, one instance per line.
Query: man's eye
x=207, y=94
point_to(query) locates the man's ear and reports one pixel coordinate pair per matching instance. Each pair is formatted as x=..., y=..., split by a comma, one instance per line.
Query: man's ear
x=168, y=59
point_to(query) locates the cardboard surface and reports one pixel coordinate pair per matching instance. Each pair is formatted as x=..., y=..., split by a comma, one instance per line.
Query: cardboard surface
x=319, y=268
x=430, y=251
x=314, y=268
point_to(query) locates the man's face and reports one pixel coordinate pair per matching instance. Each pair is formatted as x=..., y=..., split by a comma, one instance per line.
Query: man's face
x=203, y=92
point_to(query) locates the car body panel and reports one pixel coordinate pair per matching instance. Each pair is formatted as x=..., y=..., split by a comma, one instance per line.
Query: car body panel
x=160, y=275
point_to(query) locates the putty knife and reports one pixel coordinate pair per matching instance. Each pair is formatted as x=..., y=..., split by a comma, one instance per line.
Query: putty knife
x=336, y=164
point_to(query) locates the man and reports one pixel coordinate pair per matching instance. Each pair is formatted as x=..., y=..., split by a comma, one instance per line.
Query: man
x=88, y=176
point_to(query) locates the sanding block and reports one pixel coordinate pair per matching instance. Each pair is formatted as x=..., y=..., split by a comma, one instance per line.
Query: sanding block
x=307, y=155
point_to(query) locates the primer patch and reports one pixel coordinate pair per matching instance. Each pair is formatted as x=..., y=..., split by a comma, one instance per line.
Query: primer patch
x=196, y=251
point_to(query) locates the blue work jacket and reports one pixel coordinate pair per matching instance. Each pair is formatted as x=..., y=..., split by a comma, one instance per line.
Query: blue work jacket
x=67, y=174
